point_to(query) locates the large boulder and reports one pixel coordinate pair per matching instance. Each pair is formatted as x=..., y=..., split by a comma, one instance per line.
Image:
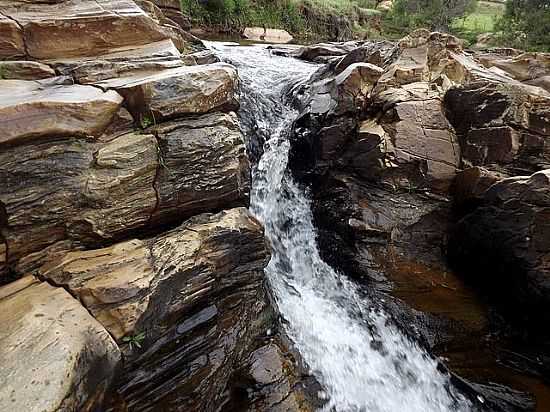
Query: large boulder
x=504, y=243
x=186, y=303
x=74, y=28
x=174, y=92
x=503, y=124
x=100, y=192
x=267, y=35
x=55, y=356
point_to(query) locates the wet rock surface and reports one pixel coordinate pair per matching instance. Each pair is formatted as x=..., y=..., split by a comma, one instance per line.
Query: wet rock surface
x=123, y=186
x=427, y=144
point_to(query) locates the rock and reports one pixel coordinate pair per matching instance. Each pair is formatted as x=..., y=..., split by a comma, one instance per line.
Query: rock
x=200, y=57
x=81, y=27
x=267, y=35
x=11, y=39
x=524, y=67
x=379, y=53
x=201, y=142
x=194, y=292
x=142, y=60
x=323, y=51
x=501, y=124
x=173, y=92
x=32, y=110
x=55, y=356
x=472, y=183
x=424, y=144
x=504, y=243
x=273, y=391
x=97, y=193
x=25, y=70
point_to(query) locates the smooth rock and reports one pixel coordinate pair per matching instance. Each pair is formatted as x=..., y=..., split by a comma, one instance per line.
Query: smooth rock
x=81, y=27
x=173, y=92
x=55, y=356
x=33, y=110
x=122, y=62
x=267, y=35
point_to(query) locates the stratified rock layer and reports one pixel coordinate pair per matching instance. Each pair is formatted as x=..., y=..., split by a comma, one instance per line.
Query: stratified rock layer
x=194, y=293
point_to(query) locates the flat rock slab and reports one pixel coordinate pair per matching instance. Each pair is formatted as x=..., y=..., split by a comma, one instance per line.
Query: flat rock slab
x=33, y=110
x=55, y=356
x=166, y=94
x=120, y=62
x=81, y=27
x=25, y=70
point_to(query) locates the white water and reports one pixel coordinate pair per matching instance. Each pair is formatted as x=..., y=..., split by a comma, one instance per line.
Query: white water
x=363, y=362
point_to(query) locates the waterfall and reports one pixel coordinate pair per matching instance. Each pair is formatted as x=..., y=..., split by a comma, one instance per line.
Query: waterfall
x=363, y=361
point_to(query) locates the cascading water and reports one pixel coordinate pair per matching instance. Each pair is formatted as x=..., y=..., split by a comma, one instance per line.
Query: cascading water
x=363, y=362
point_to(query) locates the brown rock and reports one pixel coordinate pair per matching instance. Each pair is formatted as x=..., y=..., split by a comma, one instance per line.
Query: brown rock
x=11, y=39
x=472, y=183
x=81, y=27
x=170, y=93
x=55, y=356
x=424, y=143
x=201, y=142
x=78, y=190
x=34, y=110
x=504, y=244
x=193, y=291
x=267, y=35
x=25, y=70
x=97, y=193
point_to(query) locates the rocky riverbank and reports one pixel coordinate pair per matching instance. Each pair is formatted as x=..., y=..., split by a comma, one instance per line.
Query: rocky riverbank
x=427, y=165
x=133, y=270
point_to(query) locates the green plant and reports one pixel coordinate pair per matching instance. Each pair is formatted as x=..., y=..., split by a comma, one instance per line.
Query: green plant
x=134, y=341
x=3, y=72
x=526, y=24
x=147, y=120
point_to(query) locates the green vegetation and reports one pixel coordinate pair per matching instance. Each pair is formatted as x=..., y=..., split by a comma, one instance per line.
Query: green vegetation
x=304, y=17
x=483, y=19
x=526, y=24
x=134, y=341
x=521, y=23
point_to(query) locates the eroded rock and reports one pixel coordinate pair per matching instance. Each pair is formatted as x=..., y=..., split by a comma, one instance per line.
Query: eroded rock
x=55, y=356
x=196, y=295
x=185, y=90
x=506, y=240
x=32, y=110
x=80, y=27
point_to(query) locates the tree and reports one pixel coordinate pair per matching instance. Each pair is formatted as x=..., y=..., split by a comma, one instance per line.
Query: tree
x=526, y=24
x=433, y=14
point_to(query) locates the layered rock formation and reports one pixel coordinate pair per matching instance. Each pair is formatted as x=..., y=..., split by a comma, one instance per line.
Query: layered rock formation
x=124, y=184
x=394, y=161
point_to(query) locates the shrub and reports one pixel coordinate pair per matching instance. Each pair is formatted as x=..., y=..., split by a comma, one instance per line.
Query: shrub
x=526, y=24
x=433, y=14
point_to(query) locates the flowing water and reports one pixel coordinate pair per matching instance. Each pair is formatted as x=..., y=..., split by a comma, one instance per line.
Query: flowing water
x=363, y=362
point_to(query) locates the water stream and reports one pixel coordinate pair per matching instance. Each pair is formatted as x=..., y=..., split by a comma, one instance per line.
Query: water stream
x=363, y=362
